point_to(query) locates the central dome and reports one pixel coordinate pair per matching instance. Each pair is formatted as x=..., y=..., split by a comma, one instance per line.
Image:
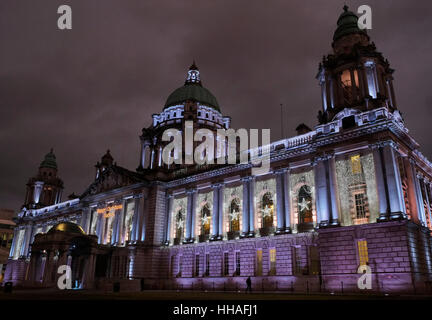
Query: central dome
x=192, y=90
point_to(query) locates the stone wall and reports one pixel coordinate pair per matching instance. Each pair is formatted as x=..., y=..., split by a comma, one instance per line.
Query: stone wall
x=397, y=253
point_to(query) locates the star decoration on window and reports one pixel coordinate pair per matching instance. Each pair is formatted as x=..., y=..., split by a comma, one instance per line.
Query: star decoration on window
x=179, y=223
x=267, y=211
x=304, y=205
x=234, y=215
x=205, y=219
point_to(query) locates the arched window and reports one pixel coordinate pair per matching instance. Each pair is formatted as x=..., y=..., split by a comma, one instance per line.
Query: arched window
x=234, y=215
x=305, y=205
x=267, y=207
x=179, y=219
x=205, y=220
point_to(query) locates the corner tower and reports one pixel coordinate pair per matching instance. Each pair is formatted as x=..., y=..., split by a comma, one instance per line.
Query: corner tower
x=355, y=77
x=46, y=187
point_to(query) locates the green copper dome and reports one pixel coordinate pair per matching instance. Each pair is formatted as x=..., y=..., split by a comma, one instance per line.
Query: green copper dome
x=347, y=24
x=192, y=90
x=49, y=161
x=67, y=227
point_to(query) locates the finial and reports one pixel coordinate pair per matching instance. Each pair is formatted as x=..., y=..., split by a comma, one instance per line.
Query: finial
x=193, y=75
x=52, y=150
x=193, y=66
x=345, y=8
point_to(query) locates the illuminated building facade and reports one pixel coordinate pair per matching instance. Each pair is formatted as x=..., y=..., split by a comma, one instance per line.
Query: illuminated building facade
x=353, y=191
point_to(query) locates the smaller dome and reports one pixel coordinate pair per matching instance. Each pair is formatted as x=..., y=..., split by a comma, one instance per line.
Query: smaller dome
x=49, y=161
x=67, y=227
x=347, y=24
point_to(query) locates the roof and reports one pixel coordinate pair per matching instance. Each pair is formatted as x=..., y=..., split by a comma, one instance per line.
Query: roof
x=347, y=24
x=49, y=161
x=194, y=92
x=67, y=227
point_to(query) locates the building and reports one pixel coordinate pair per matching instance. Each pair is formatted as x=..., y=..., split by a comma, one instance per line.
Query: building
x=353, y=191
x=6, y=234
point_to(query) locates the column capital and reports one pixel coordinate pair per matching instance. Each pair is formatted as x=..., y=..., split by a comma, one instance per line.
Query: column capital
x=322, y=157
x=281, y=171
x=191, y=190
x=169, y=195
x=217, y=185
x=382, y=144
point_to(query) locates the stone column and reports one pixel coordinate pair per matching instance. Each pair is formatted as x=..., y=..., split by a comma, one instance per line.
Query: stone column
x=287, y=200
x=215, y=217
x=190, y=215
x=120, y=223
x=169, y=205
x=100, y=226
x=280, y=202
x=116, y=226
x=333, y=189
x=193, y=215
x=420, y=203
x=353, y=85
x=381, y=185
x=85, y=219
x=394, y=183
x=427, y=199
x=47, y=267
x=135, y=220
x=245, y=206
x=220, y=211
x=322, y=201
x=251, y=207
x=143, y=216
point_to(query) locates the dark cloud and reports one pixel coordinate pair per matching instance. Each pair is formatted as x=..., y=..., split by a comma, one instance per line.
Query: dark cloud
x=95, y=87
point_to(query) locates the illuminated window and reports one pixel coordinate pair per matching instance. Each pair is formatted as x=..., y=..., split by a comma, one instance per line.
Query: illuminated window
x=226, y=264
x=346, y=78
x=360, y=205
x=362, y=252
x=305, y=205
x=267, y=210
x=259, y=262
x=205, y=220
x=197, y=260
x=234, y=215
x=237, y=263
x=272, y=254
x=356, y=164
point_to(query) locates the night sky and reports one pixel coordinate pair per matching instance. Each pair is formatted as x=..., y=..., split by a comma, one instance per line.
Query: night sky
x=93, y=88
